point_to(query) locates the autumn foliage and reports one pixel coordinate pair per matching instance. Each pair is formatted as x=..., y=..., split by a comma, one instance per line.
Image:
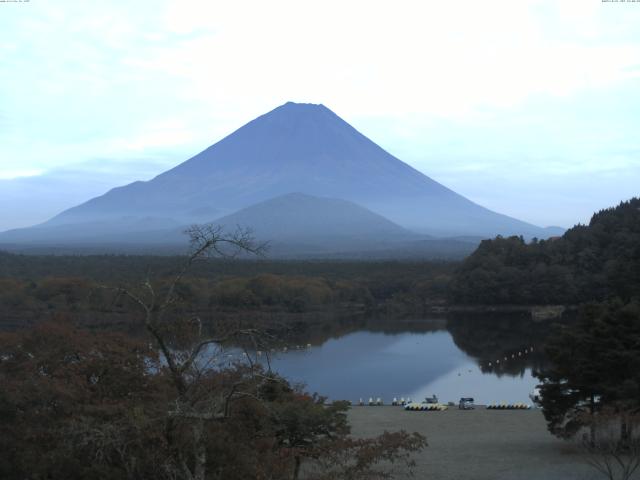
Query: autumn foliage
x=77, y=404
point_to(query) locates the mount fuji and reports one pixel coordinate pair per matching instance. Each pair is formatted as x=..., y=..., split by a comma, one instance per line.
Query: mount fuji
x=296, y=148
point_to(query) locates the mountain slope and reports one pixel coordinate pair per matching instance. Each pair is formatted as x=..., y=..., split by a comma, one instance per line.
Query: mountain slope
x=300, y=216
x=304, y=148
x=300, y=223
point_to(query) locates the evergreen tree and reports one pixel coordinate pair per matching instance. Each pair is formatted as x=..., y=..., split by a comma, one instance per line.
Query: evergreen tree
x=595, y=364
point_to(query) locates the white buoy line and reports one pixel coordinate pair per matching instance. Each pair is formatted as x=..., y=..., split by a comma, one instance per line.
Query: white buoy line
x=513, y=356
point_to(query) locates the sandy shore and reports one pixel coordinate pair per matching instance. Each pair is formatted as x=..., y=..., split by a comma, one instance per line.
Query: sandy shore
x=479, y=444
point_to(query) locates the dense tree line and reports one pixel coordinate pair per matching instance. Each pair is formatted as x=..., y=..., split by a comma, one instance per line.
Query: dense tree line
x=110, y=268
x=589, y=262
x=292, y=293
x=32, y=288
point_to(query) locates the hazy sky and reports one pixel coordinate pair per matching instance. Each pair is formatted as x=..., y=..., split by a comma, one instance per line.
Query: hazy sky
x=531, y=108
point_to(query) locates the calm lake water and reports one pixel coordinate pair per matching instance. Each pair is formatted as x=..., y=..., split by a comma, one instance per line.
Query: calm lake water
x=367, y=364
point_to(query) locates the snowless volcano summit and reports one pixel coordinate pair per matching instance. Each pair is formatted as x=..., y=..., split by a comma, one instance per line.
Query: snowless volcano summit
x=304, y=148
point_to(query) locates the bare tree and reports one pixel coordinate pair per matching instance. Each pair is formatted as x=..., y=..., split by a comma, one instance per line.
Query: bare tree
x=613, y=447
x=194, y=404
x=203, y=393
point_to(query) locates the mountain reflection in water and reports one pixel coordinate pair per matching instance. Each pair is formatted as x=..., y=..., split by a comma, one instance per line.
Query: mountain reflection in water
x=422, y=360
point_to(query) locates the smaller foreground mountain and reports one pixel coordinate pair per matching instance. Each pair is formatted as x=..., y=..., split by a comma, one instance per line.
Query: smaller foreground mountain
x=297, y=216
x=297, y=225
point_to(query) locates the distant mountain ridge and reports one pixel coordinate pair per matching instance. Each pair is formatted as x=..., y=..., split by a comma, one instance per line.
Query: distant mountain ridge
x=294, y=225
x=302, y=148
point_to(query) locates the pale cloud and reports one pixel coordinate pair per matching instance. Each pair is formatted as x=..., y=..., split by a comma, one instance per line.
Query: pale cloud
x=10, y=174
x=155, y=135
x=465, y=91
x=368, y=58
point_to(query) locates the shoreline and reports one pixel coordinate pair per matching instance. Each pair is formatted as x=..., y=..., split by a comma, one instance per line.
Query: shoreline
x=537, y=312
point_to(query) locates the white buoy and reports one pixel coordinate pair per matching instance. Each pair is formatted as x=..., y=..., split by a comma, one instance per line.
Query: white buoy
x=370, y=400
x=378, y=401
x=489, y=363
x=395, y=401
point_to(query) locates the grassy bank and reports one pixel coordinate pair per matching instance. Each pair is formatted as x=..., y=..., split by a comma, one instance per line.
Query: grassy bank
x=479, y=444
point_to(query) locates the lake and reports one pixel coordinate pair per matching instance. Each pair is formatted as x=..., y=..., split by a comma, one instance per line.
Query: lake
x=416, y=364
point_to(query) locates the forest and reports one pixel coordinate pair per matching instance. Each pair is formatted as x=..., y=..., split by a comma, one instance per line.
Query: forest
x=591, y=262
x=32, y=288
